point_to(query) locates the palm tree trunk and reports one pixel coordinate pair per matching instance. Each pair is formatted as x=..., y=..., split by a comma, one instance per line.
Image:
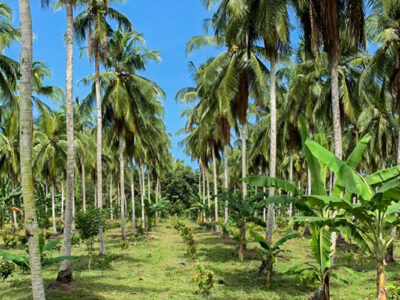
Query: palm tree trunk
x=133, y=201
x=204, y=192
x=216, y=217
x=242, y=244
x=142, y=195
x=25, y=119
x=53, y=209
x=102, y=247
x=208, y=196
x=226, y=183
x=199, y=180
x=290, y=212
x=122, y=183
x=83, y=184
x=119, y=200
x=62, y=200
x=381, y=281
x=156, y=196
x=337, y=128
x=244, y=160
x=272, y=153
x=148, y=185
x=111, y=199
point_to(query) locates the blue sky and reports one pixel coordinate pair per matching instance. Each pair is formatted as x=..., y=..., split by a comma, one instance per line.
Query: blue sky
x=166, y=24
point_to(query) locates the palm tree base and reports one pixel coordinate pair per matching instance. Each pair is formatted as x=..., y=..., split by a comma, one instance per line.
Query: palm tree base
x=64, y=276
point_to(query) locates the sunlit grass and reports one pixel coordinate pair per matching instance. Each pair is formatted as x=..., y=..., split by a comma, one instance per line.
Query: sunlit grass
x=156, y=267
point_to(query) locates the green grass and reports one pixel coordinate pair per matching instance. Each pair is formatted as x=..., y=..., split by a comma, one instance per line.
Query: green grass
x=157, y=267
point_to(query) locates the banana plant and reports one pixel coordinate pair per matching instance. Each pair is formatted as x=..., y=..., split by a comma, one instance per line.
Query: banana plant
x=242, y=211
x=160, y=204
x=327, y=216
x=200, y=206
x=272, y=252
x=371, y=220
x=44, y=249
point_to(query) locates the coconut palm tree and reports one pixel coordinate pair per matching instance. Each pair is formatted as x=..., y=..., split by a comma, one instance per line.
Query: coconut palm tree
x=322, y=21
x=92, y=25
x=31, y=225
x=128, y=96
x=232, y=73
x=65, y=272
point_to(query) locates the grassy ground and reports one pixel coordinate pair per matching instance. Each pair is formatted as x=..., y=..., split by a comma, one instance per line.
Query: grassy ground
x=156, y=267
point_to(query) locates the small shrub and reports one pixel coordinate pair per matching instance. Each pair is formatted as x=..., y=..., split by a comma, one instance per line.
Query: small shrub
x=393, y=290
x=191, y=249
x=187, y=236
x=124, y=245
x=10, y=240
x=281, y=223
x=43, y=220
x=204, y=278
x=88, y=223
x=6, y=269
x=307, y=279
x=112, y=224
x=104, y=261
x=60, y=226
x=75, y=239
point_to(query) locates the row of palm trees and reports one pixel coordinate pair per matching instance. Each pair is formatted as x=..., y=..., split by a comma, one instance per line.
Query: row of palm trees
x=329, y=77
x=54, y=145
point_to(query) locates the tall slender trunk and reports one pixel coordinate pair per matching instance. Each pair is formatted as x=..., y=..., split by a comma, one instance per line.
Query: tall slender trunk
x=53, y=208
x=242, y=244
x=381, y=281
x=226, y=183
x=156, y=196
x=290, y=212
x=102, y=248
x=204, y=192
x=46, y=193
x=272, y=148
x=208, y=196
x=337, y=128
x=142, y=195
x=121, y=146
x=65, y=271
x=83, y=183
x=216, y=217
x=148, y=185
x=244, y=160
x=133, y=201
x=25, y=132
x=199, y=180
x=111, y=199
x=62, y=200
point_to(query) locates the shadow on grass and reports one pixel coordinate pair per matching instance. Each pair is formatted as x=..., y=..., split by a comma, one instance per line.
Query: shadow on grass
x=250, y=281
